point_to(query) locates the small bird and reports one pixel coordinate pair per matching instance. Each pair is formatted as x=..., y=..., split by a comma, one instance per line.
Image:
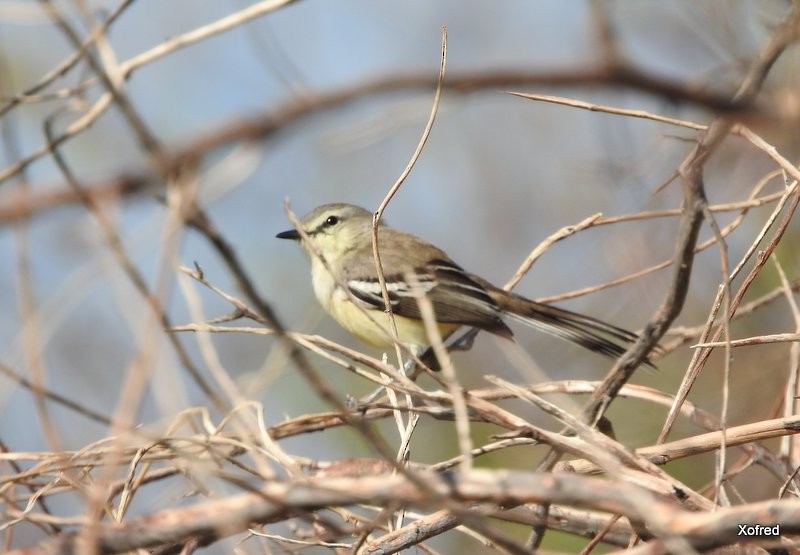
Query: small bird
x=347, y=286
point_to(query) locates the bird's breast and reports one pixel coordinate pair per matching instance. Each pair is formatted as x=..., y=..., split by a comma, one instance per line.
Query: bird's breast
x=325, y=286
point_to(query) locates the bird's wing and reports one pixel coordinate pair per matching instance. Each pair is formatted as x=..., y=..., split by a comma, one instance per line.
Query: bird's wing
x=456, y=297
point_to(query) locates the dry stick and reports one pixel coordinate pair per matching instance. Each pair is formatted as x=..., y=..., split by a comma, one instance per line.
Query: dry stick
x=448, y=371
x=757, y=340
x=624, y=367
x=579, y=523
x=112, y=85
x=414, y=533
x=111, y=236
x=198, y=220
x=407, y=429
x=140, y=368
x=276, y=501
x=228, y=386
x=152, y=147
x=763, y=436
x=426, y=308
x=117, y=247
x=309, y=373
x=730, y=228
x=770, y=151
x=694, y=204
x=740, y=436
x=376, y=217
x=696, y=364
x=49, y=528
x=55, y=397
x=743, y=437
x=13, y=208
x=684, y=334
x=614, y=458
x=30, y=316
x=789, y=446
x=126, y=68
x=259, y=128
x=600, y=536
x=726, y=374
x=702, y=355
x=540, y=249
x=738, y=129
x=473, y=393
x=64, y=67
x=680, y=448
x=321, y=346
x=573, y=103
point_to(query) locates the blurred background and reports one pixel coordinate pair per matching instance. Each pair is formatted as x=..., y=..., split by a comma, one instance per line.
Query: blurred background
x=498, y=175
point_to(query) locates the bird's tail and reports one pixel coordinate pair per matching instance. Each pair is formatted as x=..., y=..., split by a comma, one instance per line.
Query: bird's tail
x=590, y=333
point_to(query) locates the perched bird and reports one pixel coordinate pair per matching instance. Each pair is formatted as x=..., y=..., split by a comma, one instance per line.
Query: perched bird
x=345, y=282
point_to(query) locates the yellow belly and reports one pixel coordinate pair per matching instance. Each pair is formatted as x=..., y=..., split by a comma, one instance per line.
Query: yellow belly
x=373, y=329
x=377, y=330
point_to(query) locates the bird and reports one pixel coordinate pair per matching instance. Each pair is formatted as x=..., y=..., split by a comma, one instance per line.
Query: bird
x=338, y=239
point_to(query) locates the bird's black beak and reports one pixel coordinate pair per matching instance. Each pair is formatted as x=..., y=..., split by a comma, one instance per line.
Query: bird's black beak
x=291, y=234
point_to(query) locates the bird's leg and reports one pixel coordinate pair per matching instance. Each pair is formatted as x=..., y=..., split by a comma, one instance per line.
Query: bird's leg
x=410, y=368
x=464, y=343
x=372, y=397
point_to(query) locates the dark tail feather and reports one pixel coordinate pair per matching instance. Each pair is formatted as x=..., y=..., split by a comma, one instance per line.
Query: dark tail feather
x=590, y=333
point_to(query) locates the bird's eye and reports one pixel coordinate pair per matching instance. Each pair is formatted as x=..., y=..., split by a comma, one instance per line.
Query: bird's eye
x=331, y=220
